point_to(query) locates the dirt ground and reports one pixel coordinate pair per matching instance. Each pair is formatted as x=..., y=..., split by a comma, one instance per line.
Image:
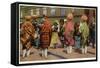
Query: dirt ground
x=58, y=53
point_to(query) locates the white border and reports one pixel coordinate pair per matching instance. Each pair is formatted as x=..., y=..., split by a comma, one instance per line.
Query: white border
x=41, y=61
x=60, y=60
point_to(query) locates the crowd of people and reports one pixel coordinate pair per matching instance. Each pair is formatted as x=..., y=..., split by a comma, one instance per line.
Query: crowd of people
x=63, y=33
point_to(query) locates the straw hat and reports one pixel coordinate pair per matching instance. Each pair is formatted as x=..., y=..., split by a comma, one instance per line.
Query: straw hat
x=28, y=17
x=84, y=17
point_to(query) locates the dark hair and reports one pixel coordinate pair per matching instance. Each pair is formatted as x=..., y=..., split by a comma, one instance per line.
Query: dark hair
x=62, y=20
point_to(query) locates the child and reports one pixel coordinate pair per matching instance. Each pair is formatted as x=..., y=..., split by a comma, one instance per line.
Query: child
x=54, y=36
x=77, y=36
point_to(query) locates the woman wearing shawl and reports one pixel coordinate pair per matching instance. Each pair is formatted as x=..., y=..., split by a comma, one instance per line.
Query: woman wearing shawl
x=68, y=34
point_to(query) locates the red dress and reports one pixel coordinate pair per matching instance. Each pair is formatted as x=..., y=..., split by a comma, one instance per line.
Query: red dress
x=68, y=34
x=45, y=34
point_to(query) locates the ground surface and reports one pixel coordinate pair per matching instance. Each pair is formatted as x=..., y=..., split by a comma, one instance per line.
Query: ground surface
x=58, y=53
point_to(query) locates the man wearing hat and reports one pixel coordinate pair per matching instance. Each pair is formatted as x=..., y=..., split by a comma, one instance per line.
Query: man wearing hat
x=45, y=36
x=68, y=32
x=84, y=30
x=27, y=34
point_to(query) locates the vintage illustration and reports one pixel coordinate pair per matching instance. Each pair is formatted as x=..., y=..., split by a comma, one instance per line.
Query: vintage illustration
x=56, y=33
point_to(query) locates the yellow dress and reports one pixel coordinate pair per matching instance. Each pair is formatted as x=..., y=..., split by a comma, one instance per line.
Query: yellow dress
x=54, y=39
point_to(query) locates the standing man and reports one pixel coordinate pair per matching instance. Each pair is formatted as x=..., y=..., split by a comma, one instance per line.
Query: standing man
x=84, y=30
x=92, y=31
x=45, y=36
x=27, y=34
x=36, y=41
x=68, y=32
